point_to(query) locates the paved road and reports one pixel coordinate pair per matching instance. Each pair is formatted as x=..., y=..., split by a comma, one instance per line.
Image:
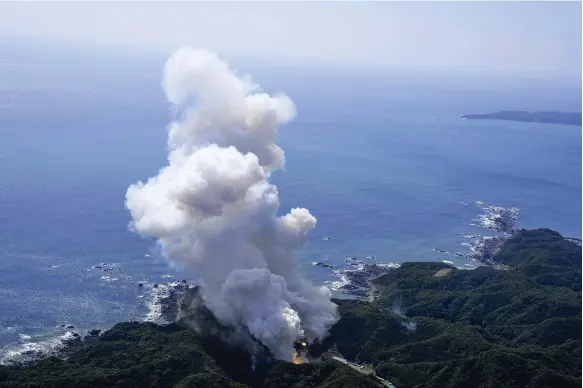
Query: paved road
x=363, y=370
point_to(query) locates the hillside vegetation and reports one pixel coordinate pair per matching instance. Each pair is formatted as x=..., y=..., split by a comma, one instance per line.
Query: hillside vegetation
x=148, y=355
x=430, y=325
x=480, y=328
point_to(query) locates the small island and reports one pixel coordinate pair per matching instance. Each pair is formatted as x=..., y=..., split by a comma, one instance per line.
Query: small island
x=565, y=118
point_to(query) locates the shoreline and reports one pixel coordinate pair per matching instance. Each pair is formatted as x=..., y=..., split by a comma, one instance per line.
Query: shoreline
x=353, y=279
x=361, y=285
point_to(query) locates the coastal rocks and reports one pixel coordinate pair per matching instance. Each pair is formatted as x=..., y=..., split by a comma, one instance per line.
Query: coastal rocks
x=443, y=251
x=104, y=267
x=353, y=261
x=576, y=241
x=500, y=222
x=67, y=337
x=323, y=265
x=483, y=249
x=498, y=219
x=73, y=339
x=356, y=280
x=60, y=347
x=166, y=300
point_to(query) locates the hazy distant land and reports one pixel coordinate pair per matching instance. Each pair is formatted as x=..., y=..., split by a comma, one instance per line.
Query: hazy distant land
x=566, y=118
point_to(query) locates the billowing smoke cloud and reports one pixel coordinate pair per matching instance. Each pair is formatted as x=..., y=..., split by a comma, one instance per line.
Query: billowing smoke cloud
x=214, y=211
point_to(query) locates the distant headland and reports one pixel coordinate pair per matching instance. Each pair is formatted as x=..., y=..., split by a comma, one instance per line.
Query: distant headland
x=566, y=118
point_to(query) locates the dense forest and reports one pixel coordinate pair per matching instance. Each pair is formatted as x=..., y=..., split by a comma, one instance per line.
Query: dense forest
x=429, y=325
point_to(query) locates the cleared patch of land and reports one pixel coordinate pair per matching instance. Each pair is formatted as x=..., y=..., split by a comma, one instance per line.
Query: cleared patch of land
x=442, y=272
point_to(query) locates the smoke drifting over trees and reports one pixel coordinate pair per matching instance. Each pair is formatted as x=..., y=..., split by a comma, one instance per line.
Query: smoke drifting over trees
x=214, y=211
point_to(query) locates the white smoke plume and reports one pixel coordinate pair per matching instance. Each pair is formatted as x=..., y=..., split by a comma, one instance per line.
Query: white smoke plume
x=407, y=323
x=214, y=211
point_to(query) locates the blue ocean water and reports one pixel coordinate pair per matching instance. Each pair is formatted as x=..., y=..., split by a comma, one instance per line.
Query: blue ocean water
x=384, y=163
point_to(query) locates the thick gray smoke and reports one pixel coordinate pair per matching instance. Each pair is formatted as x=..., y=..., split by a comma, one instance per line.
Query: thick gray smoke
x=214, y=211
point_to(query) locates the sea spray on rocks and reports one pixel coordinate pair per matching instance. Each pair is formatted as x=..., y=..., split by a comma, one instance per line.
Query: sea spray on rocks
x=498, y=218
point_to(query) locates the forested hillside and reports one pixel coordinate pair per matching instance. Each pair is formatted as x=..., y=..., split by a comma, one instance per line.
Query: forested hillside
x=430, y=325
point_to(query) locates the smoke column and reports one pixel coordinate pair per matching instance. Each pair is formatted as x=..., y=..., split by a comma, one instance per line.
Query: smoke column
x=214, y=211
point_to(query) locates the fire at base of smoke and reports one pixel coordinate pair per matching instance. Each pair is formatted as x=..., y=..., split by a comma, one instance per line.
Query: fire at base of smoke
x=214, y=211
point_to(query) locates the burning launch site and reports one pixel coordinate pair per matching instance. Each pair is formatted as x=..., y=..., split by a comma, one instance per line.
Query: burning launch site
x=214, y=211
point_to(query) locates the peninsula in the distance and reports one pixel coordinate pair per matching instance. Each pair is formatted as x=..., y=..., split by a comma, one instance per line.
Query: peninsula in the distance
x=566, y=118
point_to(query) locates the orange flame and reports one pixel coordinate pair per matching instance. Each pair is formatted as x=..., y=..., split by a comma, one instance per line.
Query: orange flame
x=298, y=359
